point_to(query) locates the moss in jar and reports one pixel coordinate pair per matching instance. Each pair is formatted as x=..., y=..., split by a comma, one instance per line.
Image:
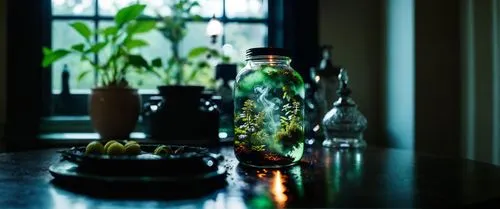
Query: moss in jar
x=269, y=116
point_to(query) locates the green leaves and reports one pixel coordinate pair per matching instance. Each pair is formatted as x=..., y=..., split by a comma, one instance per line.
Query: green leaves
x=117, y=39
x=46, y=50
x=52, y=56
x=156, y=62
x=78, y=47
x=197, y=18
x=135, y=43
x=82, y=75
x=82, y=29
x=97, y=47
x=109, y=31
x=138, y=61
x=141, y=27
x=195, y=52
x=226, y=59
x=129, y=13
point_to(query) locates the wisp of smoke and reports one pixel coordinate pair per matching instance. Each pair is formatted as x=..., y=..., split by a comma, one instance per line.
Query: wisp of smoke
x=270, y=109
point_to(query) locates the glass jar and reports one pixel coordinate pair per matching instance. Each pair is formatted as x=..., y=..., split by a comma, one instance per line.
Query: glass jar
x=269, y=110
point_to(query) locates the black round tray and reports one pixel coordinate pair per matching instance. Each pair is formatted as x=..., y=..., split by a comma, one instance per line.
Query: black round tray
x=67, y=176
x=186, y=161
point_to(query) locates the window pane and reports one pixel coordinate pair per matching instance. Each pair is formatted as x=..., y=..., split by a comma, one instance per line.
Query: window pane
x=242, y=36
x=207, y=8
x=63, y=36
x=246, y=8
x=159, y=46
x=195, y=37
x=73, y=7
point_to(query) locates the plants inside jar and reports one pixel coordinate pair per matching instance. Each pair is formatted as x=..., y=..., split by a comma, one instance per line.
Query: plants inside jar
x=269, y=116
x=114, y=103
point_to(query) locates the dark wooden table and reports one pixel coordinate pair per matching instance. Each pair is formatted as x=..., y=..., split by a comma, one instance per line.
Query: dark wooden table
x=377, y=178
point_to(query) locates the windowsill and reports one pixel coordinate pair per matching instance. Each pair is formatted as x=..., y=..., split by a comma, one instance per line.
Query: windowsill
x=73, y=125
x=88, y=91
x=77, y=130
x=81, y=139
x=83, y=136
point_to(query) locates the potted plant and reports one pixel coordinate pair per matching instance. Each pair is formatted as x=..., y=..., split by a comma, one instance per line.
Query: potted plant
x=114, y=105
x=178, y=73
x=184, y=107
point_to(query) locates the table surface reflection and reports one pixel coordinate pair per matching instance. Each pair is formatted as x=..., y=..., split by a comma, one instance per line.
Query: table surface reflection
x=325, y=178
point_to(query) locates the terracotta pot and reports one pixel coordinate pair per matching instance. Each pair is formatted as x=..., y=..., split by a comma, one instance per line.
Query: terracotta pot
x=114, y=111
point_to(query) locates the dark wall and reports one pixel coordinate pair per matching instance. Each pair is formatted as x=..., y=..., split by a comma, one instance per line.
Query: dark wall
x=437, y=77
x=300, y=33
x=24, y=84
x=353, y=28
x=3, y=66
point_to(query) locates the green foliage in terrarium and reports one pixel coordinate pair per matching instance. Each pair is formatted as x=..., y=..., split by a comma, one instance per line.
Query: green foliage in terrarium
x=252, y=125
x=269, y=113
x=117, y=41
x=291, y=125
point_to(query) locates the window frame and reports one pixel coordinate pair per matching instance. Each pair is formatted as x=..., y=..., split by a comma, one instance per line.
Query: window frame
x=78, y=121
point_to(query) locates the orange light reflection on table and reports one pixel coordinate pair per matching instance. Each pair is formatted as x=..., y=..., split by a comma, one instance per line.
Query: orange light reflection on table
x=278, y=189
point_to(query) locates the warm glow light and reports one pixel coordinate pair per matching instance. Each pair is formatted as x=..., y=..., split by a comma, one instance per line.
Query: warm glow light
x=278, y=189
x=214, y=27
x=317, y=78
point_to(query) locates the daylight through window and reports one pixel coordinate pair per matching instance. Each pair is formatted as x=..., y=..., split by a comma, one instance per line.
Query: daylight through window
x=244, y=24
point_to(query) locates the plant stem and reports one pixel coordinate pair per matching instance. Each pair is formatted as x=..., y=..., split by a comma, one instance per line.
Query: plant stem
x=175, y=51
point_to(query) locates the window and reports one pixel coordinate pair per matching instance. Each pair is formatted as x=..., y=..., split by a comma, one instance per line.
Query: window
x=245, y=26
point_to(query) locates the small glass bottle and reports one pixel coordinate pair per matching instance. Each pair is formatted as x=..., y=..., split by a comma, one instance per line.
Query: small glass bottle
x=269, y=110
x=344, y=124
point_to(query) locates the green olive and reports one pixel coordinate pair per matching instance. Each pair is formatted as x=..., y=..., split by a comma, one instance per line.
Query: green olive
x=94, y=147
x=162, y=150
x=108, y=144
x=131, y=142
x=132, y=149
x=115, y=149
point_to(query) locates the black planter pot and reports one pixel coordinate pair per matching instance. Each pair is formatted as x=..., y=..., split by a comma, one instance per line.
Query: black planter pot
x=182, y=115
x=184, y=98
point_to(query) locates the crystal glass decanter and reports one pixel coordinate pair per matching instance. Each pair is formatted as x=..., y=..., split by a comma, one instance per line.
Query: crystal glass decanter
x=344, y=124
